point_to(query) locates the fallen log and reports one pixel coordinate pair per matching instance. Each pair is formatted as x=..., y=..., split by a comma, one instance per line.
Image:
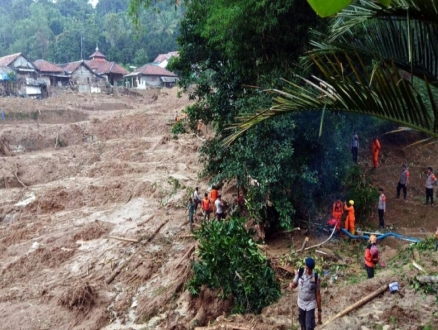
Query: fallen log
x=304, y=244
x=358, y=304
x=118, y=269
x=133, y=240
x=418, y=266
x=427, y=279
x=146, y=221
x=156, y=231
x=187, y=254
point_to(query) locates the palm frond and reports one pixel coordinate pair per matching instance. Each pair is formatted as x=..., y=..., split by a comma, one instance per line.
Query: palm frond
x=349, y=86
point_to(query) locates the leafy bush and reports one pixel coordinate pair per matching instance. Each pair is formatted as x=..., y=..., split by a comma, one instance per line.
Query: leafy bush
x=230, y=261
x=178, y=128
x=358, y=188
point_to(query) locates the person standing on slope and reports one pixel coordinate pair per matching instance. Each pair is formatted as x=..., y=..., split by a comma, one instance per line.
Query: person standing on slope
x=355, y=146
x=213, y=196
x=350, y=220
x=381, y=208
x=371, y=256
x=219, y=208
x=430, y=180
x=337, y=212
x=375, y=150
x=309, y=295
x=403, y=182
x=206, y=207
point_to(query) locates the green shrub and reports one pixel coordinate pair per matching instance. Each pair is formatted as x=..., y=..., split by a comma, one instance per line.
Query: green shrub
x=358, y=188
x=178, y=128
x=229, y=260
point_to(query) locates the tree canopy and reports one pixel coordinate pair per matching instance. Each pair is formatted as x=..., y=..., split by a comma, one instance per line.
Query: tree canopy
x=68, y=30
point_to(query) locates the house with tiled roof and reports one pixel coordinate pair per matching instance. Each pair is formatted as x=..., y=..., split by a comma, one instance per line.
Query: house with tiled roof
x=80, y=73
x=53, y=74
x=19, y=63
x=112, y=71
x=151, y=76
x=163, y=59
x=24, y=74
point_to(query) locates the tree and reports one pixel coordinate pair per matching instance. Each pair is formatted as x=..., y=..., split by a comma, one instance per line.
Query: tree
x=376, y=61
x=242, y=271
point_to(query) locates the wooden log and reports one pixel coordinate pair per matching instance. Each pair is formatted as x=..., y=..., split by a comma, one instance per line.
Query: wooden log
x=418, y=266
x=146, y=221
x=357, y=304
x=118, y=269
x=427, y=279
x=125, y=262
x=133, y=240
x=304, y=244
x=187, y=254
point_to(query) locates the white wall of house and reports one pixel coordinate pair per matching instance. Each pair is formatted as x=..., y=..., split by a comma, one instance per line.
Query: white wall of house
x=150, y=81
x=163, y=64
x=21, y=62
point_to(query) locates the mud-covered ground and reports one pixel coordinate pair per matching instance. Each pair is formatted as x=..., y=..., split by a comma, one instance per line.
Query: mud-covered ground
x=94, y=234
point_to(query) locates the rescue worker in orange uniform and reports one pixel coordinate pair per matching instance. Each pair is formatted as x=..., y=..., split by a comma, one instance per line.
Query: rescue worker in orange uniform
x=337, y=213
x=375, y=150
x=349, y=222
x=213, y=196
x=371, y=256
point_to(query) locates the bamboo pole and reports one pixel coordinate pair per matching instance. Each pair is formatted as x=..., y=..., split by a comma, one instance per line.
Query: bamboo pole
x=357, y=304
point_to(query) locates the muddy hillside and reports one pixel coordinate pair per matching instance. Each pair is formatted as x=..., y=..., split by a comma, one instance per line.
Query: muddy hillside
x=94, y=231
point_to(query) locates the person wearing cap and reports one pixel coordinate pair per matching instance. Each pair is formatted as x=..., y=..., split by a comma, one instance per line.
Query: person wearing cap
x=309, y=295
x=219, y=208
x=371, y=256
x=381, y=208
x=430, y=180
x=350, y=220
x=403, y=181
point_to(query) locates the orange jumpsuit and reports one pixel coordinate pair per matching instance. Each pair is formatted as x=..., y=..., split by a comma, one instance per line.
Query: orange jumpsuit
x=337, y=213
x=213, y=197
x=375, y=149
x=349, y=222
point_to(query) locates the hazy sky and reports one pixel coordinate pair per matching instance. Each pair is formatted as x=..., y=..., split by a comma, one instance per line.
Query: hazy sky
x=93, y=2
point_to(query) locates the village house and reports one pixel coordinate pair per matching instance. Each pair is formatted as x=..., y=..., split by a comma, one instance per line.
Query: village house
x=53, y=74
x=151, y=76
x=111, y=71
x=25, y=81
x=163, y=59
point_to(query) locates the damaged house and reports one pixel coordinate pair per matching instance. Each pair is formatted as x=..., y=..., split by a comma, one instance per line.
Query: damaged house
x=23, y=77
x=52, y=74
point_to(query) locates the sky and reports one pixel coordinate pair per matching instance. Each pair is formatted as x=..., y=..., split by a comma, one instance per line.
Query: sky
x=93, y=2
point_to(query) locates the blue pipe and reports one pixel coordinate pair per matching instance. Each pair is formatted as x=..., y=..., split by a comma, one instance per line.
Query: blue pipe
x=382, y=236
